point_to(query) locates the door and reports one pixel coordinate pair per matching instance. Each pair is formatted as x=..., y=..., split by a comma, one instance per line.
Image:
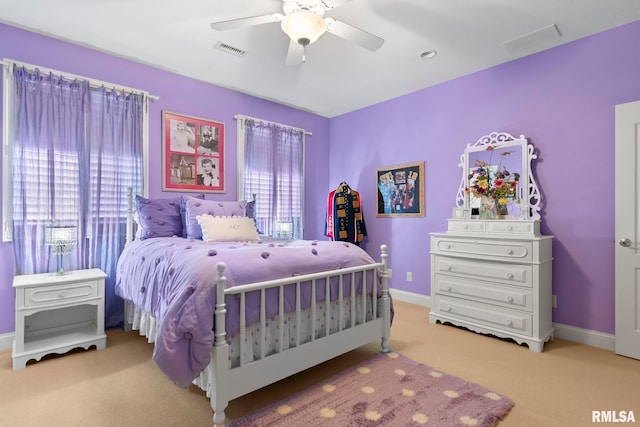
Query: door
x=627, y=229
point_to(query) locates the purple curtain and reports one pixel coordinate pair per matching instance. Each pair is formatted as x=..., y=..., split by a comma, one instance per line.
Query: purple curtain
x=273, y=171
x=76, y=150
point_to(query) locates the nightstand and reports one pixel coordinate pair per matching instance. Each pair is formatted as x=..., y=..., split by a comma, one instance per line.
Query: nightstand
x=57, y=313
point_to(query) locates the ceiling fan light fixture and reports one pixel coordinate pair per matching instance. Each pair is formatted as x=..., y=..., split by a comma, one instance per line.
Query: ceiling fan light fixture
x=303, y=27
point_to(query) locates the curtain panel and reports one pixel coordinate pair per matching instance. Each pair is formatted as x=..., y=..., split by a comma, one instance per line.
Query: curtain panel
x=274, y=171
x=76, y=150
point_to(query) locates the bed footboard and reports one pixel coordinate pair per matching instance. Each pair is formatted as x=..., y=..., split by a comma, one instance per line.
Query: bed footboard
x=363, y=312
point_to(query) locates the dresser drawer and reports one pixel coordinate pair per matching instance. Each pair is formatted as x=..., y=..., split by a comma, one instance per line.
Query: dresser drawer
x=510, y=274
x=495, y=249
x=505, y=296
x=52, y=294
x=484, y=314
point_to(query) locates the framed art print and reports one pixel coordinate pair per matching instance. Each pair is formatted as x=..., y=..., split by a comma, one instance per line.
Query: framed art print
x=192, y=154
x=400, y=190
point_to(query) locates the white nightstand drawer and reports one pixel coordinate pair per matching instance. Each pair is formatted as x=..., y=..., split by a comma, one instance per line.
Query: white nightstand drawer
x=511, y=274
x=484, y=314
x=505, y=296
x=60, y=293
x=497, y=249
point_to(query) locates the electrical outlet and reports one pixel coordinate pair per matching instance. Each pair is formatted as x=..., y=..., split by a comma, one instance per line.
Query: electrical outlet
x=409, y=276
x=389, y=271
x=554, y=301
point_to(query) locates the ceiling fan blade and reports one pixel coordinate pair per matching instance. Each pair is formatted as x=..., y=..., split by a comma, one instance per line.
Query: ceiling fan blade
x=295, y=54
x=354, y=35
x=247, y=22
x=332, y=4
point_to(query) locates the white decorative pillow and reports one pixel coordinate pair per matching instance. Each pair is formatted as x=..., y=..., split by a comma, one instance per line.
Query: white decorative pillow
x=227, y=228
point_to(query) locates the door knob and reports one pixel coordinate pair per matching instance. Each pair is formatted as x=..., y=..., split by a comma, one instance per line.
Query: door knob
x=625, y=242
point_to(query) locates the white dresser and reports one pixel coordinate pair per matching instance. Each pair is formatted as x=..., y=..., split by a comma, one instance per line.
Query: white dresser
x=494, y=277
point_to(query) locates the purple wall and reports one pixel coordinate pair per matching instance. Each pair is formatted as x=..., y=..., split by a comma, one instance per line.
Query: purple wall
x=177, y=94
x=562, y=100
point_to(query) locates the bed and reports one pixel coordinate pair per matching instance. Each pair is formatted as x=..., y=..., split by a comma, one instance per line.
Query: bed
x=234, y=316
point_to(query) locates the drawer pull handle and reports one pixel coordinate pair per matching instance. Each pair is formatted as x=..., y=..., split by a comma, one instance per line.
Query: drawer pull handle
x=509, y=323
x=62, y=294
x=510, y=228
x=465, y=226
x=449, y=288
x=510, y=251
x=447, y=267
x=447, y=246
x=510, y=299
x=510, y=276
x=447, y=309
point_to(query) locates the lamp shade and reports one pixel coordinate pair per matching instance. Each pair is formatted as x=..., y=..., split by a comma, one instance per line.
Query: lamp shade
x=303, y=27
x=61, y=237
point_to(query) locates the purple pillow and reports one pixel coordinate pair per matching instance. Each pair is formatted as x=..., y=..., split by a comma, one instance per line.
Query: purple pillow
x=250, y=209
x=158, y=217
x=195, y=207
x=183, y=213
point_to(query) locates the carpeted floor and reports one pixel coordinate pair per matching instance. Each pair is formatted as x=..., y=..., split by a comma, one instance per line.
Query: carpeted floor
x=387, y=389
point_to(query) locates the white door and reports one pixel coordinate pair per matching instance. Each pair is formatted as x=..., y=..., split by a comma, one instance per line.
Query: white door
x=627, y=229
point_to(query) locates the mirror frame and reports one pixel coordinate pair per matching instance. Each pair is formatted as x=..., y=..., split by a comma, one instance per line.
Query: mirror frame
x=531, y=199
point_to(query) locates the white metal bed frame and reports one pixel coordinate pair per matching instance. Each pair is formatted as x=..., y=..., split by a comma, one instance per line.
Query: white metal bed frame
x=224, y=383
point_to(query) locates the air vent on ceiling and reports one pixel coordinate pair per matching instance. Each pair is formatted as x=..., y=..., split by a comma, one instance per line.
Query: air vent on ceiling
x=542, y=37
x=230, y=49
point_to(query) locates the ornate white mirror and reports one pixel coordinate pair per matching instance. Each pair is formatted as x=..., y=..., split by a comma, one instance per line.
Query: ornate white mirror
x=497, y=181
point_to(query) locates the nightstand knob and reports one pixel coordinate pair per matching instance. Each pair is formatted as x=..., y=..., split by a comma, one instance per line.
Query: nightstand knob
x=466, y=226
x=509, y=323
x=447, y=267
x=510, y=251
x=447, y=246
x=62, y=294
x=510, y=276
x=449, y=288
x=447, y=309
x=510, y=299
x=510, y=228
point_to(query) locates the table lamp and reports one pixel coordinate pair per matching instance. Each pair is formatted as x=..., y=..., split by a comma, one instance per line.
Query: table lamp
x=61, y=238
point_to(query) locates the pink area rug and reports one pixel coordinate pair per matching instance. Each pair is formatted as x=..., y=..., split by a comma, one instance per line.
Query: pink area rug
x=386, y=390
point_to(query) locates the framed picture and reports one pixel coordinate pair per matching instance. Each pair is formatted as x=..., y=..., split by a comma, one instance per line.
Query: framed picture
x=400, y=190
x=461, y=213
x=192, y=154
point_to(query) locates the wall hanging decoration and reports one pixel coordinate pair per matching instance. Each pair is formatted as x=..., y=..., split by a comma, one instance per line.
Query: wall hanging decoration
x=401, y=190
x=192, y=154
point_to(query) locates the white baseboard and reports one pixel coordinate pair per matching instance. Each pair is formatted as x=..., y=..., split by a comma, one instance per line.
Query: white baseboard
x=6, y=341
x=410, y=297
x=565, y=332
x=585, y=336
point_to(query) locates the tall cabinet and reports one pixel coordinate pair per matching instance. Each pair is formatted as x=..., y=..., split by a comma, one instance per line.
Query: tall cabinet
x=493, y=277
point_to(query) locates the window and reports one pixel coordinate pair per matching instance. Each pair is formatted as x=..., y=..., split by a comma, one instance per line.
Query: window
x=73, y=148
x=271, y=167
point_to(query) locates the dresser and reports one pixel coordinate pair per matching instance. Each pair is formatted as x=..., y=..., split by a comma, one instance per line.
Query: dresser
x=57, y=313
x=493, y=277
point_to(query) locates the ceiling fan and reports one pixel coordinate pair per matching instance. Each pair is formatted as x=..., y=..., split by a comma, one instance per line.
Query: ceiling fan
x=303, y=21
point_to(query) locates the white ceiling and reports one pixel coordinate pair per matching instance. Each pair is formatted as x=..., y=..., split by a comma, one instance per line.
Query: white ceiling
x=338, y=76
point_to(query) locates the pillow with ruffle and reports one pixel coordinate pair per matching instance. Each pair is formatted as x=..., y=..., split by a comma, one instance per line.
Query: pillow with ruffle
x=195, y=207
x=227, y=228
x=158, y=217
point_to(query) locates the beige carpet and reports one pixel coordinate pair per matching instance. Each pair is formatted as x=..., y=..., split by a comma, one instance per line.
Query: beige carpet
x=121, y=386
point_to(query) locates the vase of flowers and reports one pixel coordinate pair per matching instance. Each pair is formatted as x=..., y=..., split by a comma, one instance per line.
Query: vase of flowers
x=494, y=185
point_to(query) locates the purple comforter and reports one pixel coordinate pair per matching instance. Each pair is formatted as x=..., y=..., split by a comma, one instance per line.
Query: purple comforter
x=173, y=279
